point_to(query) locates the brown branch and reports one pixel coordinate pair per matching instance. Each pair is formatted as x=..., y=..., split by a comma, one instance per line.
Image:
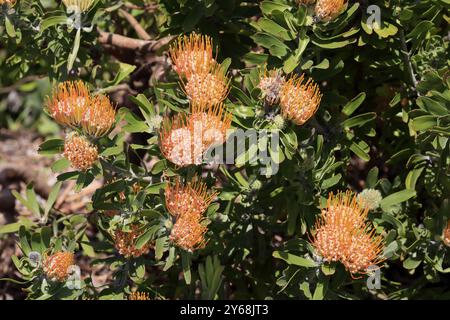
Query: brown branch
x=135, y=24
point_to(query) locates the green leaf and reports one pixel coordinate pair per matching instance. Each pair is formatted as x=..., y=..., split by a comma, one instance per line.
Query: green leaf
x=186, y=263
x=294, y=260
x=52, y=197
x=359, y=120
x=50, y=147
x=352, y=105
x=74, y=53
x=10, y=30
x=396, y=198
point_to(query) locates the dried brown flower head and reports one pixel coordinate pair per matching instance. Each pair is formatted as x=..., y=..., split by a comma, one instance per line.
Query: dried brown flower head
x=343, y=235
x=80, y=152
x=57, y=266
x=125, y=243
x=192, y=197
x=299, y=100
x=270, y=83
x=327, y=10
x=192, y=54
x=207, y=89
x=185, y=138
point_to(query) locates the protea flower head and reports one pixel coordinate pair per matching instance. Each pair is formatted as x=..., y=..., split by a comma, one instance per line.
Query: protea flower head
x=80, y=152
x=139, y=296
x=192, y=54
x=192, y=197
x=327, y=10
x=207, y=89
x=78, y=5
x=343, y=235
x=125, y=242
x=270, y=83
x=299, y=100
x=189, y=231
x=72, y=105
x=8, y=2
x=446, y=234
x=370, y=198
x=185, y=138
x=57, y=266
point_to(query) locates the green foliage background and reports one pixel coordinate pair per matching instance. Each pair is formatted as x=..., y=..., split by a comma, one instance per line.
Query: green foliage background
x=383, y=123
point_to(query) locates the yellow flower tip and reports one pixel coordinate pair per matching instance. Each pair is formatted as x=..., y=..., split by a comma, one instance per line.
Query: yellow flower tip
x=446, y=234
x=125, y=243
x=327, y=10
x=209, y=88
x=72, y=105
x=99, y=117
x=299, y=99
x=341, y=234
x=57, y=267
x=78, y=5
x=68, y=102
x=192, y=197
x=139, y=296
x=185, y=138
x=270, y=83
x=192, y=54
x=189, y=231
x=80, y=152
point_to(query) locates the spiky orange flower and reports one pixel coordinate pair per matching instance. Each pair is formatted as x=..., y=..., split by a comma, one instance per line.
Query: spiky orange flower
x=192, y=197
x=78, y=5
x=299, y=100
x=192, y=54
x=189, y=231
x=270, y=83
x=57, y=266
x=139, y=296
x=207, y=89
x=80, y=152
x=327, y=10
x=125, y=243
x=73, y=105
x=343, y=235
x=185, y=138
x=446, y=234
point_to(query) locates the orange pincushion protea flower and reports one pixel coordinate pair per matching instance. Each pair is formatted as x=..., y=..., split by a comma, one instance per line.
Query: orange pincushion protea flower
x=446, y=234
x=270, y=83
x=57, y=266
x=184, y=138
x=139, y=296
x=192, y=197
x=125, y=243
x=189, y=231
x=8, y=2
x=342, y=234
x=192, y=54
x=327, y=10
x=73, y=105
x=299, y=100
x=207, y=89
x=80, y=152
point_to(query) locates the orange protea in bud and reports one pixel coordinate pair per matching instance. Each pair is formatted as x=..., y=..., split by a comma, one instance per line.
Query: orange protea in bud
x=299, y=100
x=99, y=117
x=192, y=54
x=78, y=5
x=125, y=243
x=327, y=10
x=192, y=197
x=270, y=83
x=207, y=89
x=189, y=231
x=446, y=234
x=342, y=234
x=57, y=267
x=185, y=138
x=68, y=103
x=80, y=152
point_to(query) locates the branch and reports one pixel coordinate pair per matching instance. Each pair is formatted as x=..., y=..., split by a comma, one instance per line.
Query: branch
x=135, y=24
x=122, y=42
